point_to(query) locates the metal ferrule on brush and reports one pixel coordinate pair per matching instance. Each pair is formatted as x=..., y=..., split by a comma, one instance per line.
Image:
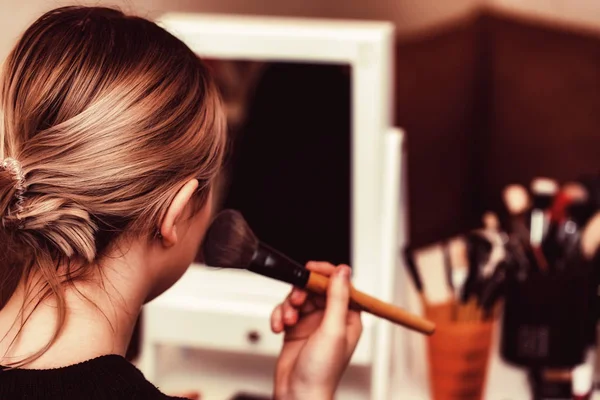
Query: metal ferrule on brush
x=269, y=262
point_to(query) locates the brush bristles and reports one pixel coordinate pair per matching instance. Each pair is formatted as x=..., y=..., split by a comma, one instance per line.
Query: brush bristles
x=544, y=186
x=491, y=221
x=229, y=241
x=516, y=199
x=576, y=192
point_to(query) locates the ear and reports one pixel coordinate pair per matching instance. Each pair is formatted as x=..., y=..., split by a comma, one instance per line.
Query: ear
x=168, y=227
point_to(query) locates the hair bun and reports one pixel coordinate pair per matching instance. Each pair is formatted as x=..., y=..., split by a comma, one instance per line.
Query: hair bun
x=11, y=203
x=63, y=224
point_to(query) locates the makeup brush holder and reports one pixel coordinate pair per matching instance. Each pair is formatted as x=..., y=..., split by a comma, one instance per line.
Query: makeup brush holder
x=546, y=318
x=458, y=355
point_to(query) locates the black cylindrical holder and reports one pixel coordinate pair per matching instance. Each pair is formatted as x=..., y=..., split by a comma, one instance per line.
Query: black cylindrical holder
x=547, y=318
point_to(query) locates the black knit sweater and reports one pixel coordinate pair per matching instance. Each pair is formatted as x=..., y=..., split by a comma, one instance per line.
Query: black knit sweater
x=109, y=377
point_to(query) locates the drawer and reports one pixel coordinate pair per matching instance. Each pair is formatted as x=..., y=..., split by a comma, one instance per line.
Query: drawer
x=218, y=325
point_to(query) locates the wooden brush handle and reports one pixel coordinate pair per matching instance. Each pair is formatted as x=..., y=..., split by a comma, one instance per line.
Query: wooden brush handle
x=318, y=283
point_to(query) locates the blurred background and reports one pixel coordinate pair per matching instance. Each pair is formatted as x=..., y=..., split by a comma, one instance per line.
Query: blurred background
x=490, y=93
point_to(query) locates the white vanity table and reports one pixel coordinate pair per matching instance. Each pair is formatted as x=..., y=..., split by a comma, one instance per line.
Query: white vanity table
x=224, y=314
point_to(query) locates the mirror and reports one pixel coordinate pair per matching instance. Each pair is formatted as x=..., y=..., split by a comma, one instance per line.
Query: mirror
x=288, y=168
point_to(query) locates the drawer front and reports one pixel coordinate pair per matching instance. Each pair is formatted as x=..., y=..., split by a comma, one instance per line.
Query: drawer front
x=216, y=325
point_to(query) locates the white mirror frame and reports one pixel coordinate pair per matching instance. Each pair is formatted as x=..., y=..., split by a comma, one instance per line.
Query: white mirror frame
x=378, y=211
x=367, y=47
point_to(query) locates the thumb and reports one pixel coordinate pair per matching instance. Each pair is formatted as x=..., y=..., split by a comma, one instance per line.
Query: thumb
x=338, y=298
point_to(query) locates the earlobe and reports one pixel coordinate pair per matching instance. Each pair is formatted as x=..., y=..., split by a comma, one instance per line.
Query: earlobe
x=168, y=227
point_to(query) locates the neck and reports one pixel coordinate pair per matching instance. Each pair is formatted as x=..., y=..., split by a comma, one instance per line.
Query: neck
x=101, y=313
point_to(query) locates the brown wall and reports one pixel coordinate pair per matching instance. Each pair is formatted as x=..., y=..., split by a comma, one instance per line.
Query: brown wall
x=579, y=14
x=545, y=111
x=489, y=102
x=436, y=95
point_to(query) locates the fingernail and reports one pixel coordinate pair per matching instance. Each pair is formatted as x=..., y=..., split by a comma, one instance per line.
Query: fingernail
x=344, y=273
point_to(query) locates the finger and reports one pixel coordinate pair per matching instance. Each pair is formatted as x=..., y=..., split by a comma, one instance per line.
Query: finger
x=290, y=313
x=323, y=268
x=338, y=297
x=277, y=320
x=298, y=297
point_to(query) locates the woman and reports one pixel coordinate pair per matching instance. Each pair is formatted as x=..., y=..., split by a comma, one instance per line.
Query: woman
x=111, y=135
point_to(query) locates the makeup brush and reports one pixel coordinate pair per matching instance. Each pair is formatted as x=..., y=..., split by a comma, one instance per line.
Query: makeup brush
x=578, y=214
x=479, y=249
x=592, y=185
x=580, y=208
x=449, y=273
x=493, y=288
x=409, y=259
x=543, y=192
x=448, y=267
x=497, y=238
x=563, y=226
x=230, y=243
x=490, y=221
x=457, y=249
x=517, y=203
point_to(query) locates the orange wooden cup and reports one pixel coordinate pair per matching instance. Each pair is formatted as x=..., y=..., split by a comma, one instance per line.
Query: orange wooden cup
x=458, y=355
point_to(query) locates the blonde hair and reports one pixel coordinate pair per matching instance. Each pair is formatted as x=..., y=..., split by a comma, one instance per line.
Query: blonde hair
x=104, y=116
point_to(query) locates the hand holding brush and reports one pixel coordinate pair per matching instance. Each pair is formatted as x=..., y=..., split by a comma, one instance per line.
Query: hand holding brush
x=230, y=243
x=321, y=334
